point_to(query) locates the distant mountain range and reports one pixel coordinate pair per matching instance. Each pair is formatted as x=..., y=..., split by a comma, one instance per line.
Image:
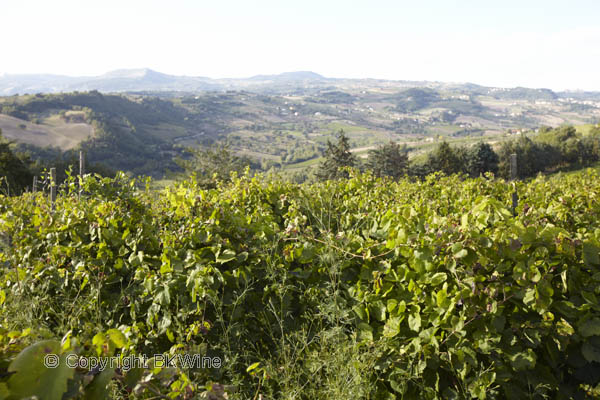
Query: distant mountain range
x=147, y=80
x=131, y=80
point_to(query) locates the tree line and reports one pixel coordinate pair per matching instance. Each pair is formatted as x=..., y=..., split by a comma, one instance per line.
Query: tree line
x=17, y=168
x=550, y=150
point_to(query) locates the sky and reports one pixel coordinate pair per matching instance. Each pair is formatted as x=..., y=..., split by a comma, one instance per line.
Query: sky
x=542, y=44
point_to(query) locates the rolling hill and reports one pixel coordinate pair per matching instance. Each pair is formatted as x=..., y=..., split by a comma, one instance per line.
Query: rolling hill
x=143, y=79
x=140, y=120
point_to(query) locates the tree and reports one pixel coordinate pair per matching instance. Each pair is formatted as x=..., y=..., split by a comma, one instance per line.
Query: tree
x=565, y=140
x=590, y=148
x=445, y=159
x=216, y=161
x=481, y=158
x=336, y=156
x=14, y=173
x=63, y=162
x=388, y=160
x=532, y=157
x=419, y=169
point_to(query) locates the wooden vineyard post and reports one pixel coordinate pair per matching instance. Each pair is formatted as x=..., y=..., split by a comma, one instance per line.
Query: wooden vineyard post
x=81, y=172
x=34, y=187
x=53, y=188
x=513, y=177
x=81, y=164
x=513, y=166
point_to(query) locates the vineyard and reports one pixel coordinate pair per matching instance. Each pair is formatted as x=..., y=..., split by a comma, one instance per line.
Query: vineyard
x=358, y=288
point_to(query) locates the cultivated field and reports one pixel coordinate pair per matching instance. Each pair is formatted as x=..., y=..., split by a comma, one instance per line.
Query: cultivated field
x=52, y=131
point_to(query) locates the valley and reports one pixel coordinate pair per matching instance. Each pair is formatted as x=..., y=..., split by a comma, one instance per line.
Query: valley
x=282, y=121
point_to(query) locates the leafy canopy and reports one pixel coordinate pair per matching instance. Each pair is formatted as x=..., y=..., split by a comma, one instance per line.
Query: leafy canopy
x=337, y=156
x=14, y=174
x=390, y=159
x=214, y=162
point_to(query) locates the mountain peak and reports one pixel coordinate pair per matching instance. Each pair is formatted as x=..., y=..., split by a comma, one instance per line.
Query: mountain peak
x=301, y=75
x=133, y=73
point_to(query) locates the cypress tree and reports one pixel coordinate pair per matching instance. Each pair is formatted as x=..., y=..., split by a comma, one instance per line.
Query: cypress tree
x=337, y=155
x=445, y=159
x=388, y=160
x=482, y=158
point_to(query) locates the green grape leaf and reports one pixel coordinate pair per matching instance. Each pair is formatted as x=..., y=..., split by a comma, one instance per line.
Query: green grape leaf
x=392, y=327
x=414, y=321
x=591, y=327
x=377, y=310
x=524, y=360
x=98, y=389
x=591, y=352
x=117, y=337
x=365, y=332
x=591, y=255
x=438, y=278
x=33, y=378
x=226, y=256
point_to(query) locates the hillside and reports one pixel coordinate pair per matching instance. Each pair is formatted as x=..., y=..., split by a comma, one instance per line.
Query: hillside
x=51, y=131
x=134, y=135
x=281, y=120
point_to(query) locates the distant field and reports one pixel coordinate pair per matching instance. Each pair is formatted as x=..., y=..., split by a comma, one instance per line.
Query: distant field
x=258, y=155
x=443, y=129
x=308, y=163
x=165, y=131
x=336, y=126
x=53, y=131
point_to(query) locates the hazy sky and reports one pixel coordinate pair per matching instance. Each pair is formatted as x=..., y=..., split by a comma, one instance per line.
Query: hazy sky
x=549, y=43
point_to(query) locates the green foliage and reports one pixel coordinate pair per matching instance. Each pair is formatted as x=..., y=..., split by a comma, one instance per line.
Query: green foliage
x=20, y=169
x=445, y=159
x=337, y=156
x=565, y=139
x=531, y=157
x=123, y=136
x=30, y=377
x=67, y=163
x=480, y=159
x=388, y=160
x=214, y=163
x=14, y=173
x=552, y=149
x=346, y=288
x=549, y=151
